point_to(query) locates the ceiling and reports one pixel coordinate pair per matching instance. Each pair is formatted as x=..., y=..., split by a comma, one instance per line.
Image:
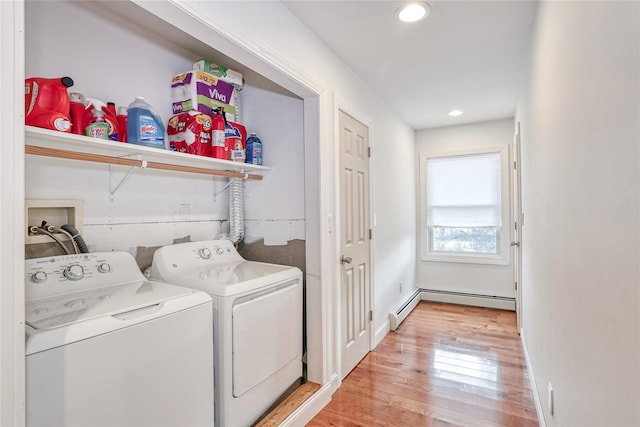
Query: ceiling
x=467, y=55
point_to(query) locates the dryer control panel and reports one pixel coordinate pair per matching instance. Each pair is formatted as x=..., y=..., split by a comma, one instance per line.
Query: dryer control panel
x=197, y=254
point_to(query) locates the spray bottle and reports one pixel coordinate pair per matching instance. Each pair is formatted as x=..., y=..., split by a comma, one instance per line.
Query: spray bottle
x=109, y=115
x=97, y=127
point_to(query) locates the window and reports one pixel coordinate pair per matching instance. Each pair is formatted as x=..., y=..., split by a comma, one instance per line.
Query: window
x=465, y=206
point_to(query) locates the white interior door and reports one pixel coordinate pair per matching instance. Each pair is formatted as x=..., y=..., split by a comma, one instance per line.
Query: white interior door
x=518, y=217
x=354, y=240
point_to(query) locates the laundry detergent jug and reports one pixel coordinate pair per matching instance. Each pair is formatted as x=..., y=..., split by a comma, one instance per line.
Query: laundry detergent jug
x=47, y=103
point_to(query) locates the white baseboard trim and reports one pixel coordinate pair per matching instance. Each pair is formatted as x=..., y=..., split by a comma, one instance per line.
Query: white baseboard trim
x=312, y=406
x=532, y=381
x=468, y=299
x=380, y=333
x=396, y=317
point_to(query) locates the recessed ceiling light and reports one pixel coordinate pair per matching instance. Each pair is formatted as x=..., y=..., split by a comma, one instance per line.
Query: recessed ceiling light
x=455, y=113
x=413, y=12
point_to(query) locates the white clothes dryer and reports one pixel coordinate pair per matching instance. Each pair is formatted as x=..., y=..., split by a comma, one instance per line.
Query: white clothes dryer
x=106, y=347
x=257, y=323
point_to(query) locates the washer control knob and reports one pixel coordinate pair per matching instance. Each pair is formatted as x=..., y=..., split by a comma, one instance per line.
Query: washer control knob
x=219, y=250
x=205, y=253
x=75, y=303
x=74, y=272
x=104, y=268
x=39, y=276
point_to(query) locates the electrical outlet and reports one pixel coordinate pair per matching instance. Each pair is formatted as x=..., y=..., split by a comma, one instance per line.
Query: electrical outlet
x=550, y=399
x=185, y=212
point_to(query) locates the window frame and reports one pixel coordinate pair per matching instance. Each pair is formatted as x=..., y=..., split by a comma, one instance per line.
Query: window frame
x=504, y=232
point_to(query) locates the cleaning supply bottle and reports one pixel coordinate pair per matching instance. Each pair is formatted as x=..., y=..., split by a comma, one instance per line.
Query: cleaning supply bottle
x=98, y=126
x=79, y=112
x=122, y=124
x=254, y=150
x=46, y=103
x=109, y=115
x=144, y=125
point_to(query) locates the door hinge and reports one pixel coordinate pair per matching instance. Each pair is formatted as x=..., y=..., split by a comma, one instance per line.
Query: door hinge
x=516, y=286
x=371, y=315
x=514, y=165
x=370, y=234
x=369, y=152
x=515, y=225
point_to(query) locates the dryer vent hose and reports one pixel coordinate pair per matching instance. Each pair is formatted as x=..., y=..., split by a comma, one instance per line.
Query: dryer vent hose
x=236, y=210
x=75, y=235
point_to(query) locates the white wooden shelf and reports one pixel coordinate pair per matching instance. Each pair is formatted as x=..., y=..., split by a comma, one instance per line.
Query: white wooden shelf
x=45, y=142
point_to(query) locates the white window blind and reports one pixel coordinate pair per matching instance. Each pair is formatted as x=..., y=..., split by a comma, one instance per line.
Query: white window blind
x=464, y=191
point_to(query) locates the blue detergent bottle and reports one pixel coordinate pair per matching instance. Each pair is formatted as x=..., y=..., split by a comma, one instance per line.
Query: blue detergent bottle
x=144, y=125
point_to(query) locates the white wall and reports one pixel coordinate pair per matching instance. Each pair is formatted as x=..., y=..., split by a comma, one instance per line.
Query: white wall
x=270, y=24
x=113, y=59
x=482, y=279
x=581, y=195
x=12, y=346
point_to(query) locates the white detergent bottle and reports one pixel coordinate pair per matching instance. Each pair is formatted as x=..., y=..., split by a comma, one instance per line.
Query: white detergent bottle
x=144, y=125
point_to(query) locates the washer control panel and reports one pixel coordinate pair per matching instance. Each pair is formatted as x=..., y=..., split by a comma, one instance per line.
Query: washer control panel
x=67, y=273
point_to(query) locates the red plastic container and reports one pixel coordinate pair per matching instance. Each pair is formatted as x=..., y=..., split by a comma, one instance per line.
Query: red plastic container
x=122, y=123
x=79, y=111
x=47, y=103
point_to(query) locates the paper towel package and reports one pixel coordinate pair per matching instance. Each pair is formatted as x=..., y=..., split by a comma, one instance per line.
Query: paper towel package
x=197, y=90
x=225, y=74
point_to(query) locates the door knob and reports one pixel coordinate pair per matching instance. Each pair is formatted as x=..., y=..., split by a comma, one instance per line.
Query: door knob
x=515, y=244
x=345, y=259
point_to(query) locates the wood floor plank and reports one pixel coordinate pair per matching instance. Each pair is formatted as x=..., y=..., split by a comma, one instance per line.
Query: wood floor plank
x=445, y=366
x=286, y=407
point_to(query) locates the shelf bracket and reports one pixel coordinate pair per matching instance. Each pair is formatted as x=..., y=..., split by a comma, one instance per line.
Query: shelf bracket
x=113, y=185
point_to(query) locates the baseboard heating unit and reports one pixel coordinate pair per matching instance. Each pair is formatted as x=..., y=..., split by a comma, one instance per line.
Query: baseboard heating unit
x=461, y=298
x=397, y=317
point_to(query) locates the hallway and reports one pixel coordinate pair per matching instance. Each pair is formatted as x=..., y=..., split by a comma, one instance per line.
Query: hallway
x=446, y=365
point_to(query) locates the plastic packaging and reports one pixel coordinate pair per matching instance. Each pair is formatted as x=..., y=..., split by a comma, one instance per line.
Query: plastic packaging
x=197, y=90
x=254, y=150
x=144, y=125
x=235, y=139
x=47, y=103
x=190, y=132
x=97, y=127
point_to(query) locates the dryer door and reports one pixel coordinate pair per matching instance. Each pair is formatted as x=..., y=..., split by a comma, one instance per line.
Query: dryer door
x=267, y=335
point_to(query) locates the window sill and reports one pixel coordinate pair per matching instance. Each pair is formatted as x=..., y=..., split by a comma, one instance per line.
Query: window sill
x=467, y=259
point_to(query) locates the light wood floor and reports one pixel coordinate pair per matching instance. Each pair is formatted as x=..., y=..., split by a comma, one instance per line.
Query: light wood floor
x=446, y=365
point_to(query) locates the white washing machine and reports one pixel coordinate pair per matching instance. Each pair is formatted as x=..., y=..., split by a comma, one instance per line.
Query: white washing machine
x=257, y=323
x=106, y=347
